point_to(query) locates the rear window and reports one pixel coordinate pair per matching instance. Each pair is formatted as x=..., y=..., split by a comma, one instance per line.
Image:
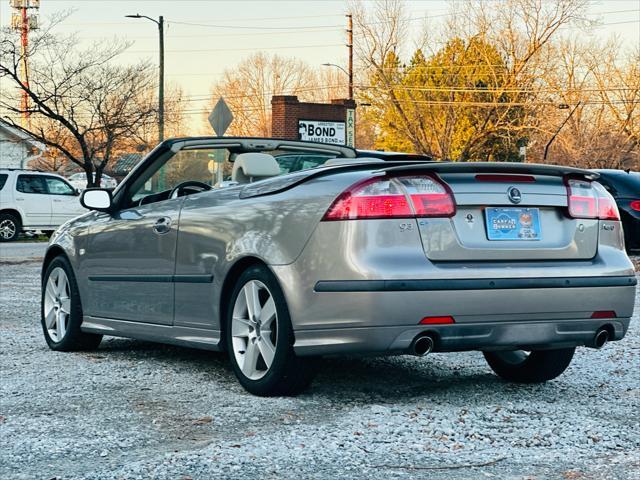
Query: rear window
x=3, y=179
x=31, y=184
x=627, y=184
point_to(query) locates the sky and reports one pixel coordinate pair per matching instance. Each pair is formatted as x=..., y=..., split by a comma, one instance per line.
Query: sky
x=203, y=38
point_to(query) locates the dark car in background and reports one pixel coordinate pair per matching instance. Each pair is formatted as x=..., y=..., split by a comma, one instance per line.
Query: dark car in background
x=394, y=156
x=624, y=185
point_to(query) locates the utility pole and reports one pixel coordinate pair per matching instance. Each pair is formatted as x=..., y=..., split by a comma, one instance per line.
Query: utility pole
x=23, y=22
x=160, y=24
x=350, y=47
x=562, y=106
x=161, y=80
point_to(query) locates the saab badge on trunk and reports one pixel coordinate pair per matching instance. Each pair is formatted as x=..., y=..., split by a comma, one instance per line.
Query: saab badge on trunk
x=515, y=196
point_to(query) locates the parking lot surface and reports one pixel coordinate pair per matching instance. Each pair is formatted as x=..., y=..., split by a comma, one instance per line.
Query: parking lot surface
x=139, y=410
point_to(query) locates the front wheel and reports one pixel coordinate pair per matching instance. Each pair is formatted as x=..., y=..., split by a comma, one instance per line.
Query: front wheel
x=259, y=337
x=9, y=227
x=530, y=367
x=62, y=310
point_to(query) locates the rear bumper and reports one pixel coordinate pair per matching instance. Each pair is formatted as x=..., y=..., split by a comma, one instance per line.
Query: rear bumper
x=531, y=335
x=473, y=284
x=378, y=316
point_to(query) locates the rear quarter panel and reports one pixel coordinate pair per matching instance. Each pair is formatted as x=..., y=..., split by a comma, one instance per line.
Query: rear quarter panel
x=218, y=229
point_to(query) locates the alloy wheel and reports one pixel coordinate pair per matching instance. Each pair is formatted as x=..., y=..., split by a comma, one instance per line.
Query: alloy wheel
x=7, y=229
x=57, y=304
x=254, y=329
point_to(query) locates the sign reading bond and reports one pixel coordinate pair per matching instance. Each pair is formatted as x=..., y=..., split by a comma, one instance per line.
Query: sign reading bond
x=324, y=132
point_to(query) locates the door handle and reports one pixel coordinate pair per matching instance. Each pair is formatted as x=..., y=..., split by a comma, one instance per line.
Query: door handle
x=162, y=225
x=19, y=199
x=56, y=200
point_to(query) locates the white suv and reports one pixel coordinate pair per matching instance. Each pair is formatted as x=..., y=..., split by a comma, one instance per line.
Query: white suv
x=79, y=181
x=32, y=200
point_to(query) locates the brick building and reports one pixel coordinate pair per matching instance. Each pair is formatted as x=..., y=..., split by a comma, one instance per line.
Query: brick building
x=287, y=112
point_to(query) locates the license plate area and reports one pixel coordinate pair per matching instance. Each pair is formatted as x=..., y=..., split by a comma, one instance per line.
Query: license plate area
x=513, y=223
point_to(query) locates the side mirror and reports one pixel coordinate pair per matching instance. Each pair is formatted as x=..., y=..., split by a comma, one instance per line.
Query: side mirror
x=96, y=199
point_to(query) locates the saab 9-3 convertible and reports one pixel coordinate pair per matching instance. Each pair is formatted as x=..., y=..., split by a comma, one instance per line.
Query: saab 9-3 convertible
x=215, y=243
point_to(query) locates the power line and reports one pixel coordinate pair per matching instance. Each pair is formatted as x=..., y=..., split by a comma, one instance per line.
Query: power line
x=495, y=90
x=208, y=50
x=263, y=19
x=226, y=35
x=245, y=27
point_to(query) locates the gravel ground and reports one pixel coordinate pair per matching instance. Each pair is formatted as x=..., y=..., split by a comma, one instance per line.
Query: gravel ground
x=139, y=410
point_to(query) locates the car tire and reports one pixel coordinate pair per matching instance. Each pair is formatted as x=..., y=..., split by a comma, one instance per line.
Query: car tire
x=533, y=367
x=10, y=227
x=61, y=310
x=631, y=242
x=259, y=337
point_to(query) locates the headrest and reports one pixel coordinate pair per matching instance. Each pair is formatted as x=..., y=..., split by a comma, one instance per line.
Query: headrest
x=251, y=166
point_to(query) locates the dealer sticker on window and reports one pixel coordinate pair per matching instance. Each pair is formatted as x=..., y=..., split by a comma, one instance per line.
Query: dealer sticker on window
x=513, y=223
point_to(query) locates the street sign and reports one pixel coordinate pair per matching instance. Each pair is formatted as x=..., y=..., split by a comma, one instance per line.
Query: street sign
x=351, y=127
x=220, y=117
x=325, y=132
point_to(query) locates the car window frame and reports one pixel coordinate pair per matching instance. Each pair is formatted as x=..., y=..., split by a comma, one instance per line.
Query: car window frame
x=4, y=179
x=39, y=177
x=60, y=179
x=162, y=159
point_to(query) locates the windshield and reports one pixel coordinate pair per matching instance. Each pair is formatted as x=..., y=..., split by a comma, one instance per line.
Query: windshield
x=213, y=167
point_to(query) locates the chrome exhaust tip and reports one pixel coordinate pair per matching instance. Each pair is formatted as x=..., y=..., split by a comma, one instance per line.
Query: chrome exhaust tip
x=601, y=338
x=422, y=345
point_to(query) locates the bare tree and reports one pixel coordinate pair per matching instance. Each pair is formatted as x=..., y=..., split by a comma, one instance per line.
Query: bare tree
x=248, y=87
x=480, y=91
x=593, y=119
x=90, y=104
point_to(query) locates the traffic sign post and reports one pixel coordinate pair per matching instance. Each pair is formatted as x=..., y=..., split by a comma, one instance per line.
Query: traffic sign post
x=220, y=117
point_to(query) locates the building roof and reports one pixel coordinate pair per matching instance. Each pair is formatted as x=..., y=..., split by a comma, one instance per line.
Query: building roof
x=20, y=136
x=125, y=163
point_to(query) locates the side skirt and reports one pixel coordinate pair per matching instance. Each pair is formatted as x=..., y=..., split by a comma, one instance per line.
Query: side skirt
x=174, y=335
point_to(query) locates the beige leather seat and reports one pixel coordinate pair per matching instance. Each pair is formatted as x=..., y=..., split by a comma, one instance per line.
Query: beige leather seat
x=249, y=167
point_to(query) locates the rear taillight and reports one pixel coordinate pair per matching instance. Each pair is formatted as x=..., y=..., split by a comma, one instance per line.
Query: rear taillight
x=590, y=200
x=394, y=197
x=635, y=205
x=445, y=320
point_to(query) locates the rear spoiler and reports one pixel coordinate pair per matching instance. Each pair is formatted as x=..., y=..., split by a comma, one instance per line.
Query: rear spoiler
x=497, y=167
x=279, y=184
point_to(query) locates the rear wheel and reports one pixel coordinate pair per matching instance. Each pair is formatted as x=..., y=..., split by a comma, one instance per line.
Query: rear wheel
x=9, y=227
x=260, y=338
x=61, y=313
x=530, y=367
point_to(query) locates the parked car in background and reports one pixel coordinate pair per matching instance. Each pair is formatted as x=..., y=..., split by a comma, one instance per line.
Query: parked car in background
x=32, y=200
x=79, y=181
x=624, y=185
x=394, y=156
x=358, y=256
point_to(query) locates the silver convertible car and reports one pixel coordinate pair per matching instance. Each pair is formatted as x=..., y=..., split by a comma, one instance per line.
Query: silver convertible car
x=208, y=244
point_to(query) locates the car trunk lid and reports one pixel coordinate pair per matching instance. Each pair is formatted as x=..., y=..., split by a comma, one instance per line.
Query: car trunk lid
x=508, y=212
